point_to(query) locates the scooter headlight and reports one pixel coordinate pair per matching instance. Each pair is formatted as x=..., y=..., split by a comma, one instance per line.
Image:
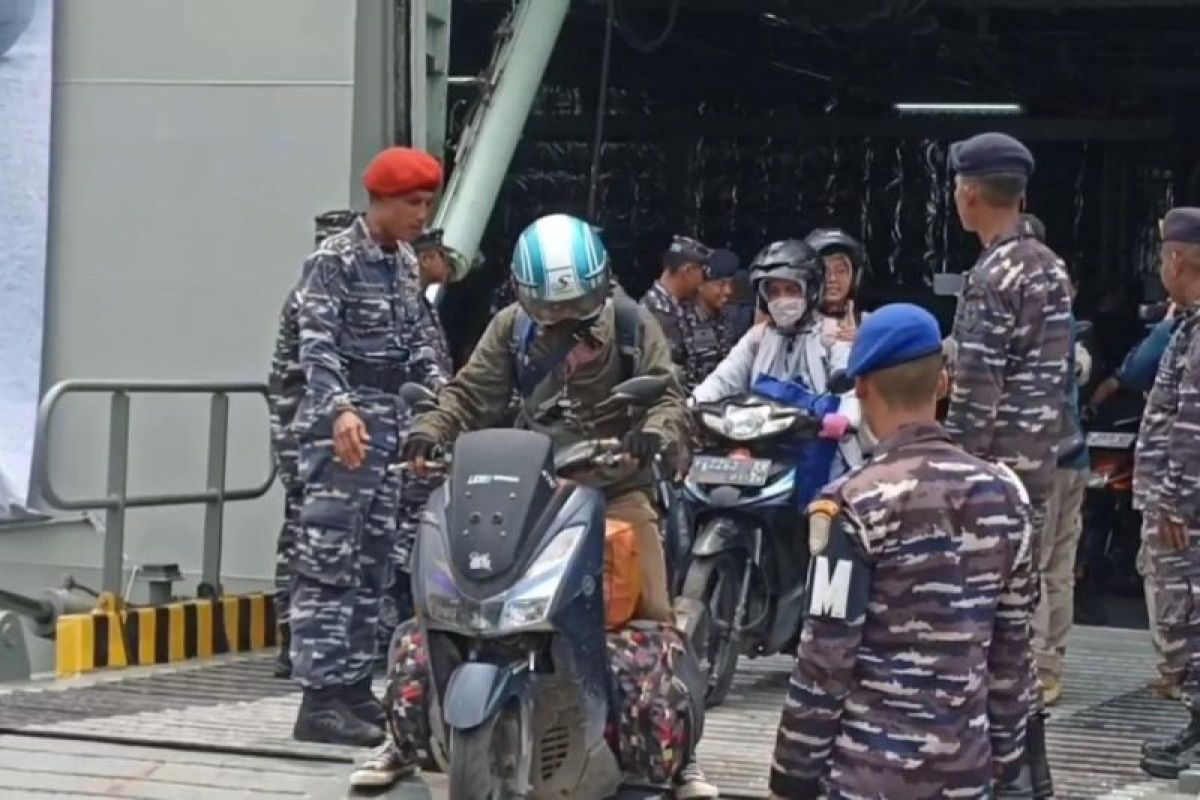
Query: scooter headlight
x=745, y=422
x=529, y=601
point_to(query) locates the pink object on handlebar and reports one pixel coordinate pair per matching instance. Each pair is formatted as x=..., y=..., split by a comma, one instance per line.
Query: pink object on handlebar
x=834, y=426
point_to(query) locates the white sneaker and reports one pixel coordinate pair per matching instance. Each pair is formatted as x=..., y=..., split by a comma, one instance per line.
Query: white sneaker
x=385, y=766
x=690, y=784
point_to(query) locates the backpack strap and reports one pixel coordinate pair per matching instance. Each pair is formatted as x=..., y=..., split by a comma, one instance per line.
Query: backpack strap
x=530, y=373
x=629, y=334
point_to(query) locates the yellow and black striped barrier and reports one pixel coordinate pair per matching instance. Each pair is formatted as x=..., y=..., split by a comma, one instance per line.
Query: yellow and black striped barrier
x=189, y=629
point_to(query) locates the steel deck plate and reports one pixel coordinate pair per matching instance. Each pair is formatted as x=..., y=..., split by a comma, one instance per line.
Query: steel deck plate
x=120, y=731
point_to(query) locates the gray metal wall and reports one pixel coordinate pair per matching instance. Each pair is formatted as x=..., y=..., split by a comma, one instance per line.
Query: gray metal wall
x=193, y=143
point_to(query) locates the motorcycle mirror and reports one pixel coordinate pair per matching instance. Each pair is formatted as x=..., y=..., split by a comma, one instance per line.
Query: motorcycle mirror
x=642, y=390
x=948, y=284
x=417, y=396
x=840, y=382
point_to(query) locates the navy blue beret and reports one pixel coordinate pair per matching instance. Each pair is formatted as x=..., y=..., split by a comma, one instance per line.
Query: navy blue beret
x=1182, y=225
x=722, y=264
x=894, y=334
x=991, y=154
x=428, y=240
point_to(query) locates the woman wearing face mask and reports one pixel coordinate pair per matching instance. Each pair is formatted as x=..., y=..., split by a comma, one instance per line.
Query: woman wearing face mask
x=787, y=359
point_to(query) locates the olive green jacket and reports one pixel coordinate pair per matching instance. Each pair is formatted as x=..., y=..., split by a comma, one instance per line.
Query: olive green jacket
x=568, y=409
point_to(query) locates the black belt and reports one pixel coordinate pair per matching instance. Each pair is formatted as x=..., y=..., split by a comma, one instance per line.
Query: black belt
x=387, y=378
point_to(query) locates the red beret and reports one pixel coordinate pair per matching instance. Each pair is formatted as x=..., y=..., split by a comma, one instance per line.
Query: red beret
x=400, y=170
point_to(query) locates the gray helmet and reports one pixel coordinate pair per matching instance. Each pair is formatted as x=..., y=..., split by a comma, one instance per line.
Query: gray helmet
x=829, y=241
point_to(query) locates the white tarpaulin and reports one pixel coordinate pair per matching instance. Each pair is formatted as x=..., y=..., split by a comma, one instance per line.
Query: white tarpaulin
x=26, y=33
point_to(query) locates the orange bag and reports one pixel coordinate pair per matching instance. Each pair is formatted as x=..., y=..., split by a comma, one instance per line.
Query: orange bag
x=622, y=573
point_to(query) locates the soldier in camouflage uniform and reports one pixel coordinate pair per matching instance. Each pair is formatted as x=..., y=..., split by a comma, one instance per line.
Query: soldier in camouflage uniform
x=361, y=337
x=434, y=268
x=286, y=384
x=711, y=330
x=913, y=677
x=1013, y=326
x=685, y=269
x=1166, y=483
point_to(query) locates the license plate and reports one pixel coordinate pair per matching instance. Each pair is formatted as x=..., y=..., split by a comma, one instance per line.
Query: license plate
x=1110, y=440
x=730, y=471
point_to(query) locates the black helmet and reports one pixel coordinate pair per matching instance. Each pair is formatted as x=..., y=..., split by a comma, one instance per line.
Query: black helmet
x=790, y=260
x=828, y=241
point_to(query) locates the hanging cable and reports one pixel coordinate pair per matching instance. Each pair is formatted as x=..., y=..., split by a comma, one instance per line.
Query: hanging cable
x=601, y=111
x=637, y=43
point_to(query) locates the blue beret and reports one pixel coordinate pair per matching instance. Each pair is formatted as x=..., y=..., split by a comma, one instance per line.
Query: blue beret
x=991, y=154
x=1182, y=225
x=894, y=334
x=722, y=264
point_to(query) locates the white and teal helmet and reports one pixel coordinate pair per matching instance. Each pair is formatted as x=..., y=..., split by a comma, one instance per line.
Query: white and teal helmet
x=561, y=270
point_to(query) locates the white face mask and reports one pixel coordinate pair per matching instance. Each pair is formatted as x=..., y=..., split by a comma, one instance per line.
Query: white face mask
x=787, y=311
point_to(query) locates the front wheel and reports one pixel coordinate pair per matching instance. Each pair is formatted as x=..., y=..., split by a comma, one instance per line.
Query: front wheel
x=715, y=583
x=484, y=760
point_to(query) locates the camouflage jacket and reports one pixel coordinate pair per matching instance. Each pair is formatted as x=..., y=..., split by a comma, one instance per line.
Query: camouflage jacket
x=1166, y=478
x=1012, y=332
x=568, y=405
x=286, y=389
x=360, y=305
x=913, y=677
x=710, y=338
x=441, y=347
x=671, y=318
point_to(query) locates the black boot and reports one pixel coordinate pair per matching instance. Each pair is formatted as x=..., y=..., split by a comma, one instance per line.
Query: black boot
x=283, y=661
x=364, y=705
x=1039, y=761
x=1166, y=758
x=325, y=717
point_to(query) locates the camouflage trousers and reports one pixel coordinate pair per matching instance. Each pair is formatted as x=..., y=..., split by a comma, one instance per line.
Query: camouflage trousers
x=1177, y=605
x=1145, y=568
x=345, y=537
x=397, y=597
x=1059, y=542
x=659, y=718
x=285, y=547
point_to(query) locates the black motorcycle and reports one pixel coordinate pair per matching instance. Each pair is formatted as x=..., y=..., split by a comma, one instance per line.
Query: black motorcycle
x=744, y=591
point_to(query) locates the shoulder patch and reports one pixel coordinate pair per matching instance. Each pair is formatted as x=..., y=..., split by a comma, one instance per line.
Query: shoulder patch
x=820, y=517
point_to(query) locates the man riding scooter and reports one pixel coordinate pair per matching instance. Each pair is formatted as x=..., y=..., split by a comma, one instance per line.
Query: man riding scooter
x=564, y=346
x=787, y=359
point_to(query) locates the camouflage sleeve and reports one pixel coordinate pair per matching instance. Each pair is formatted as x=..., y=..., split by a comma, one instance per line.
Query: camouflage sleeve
x=1179, y=493
x=666, y=417
x=982, y=333
x=425, y=346
x=320, y=317
x=1011, y=677
x=669, y=325
x=481, y=390
x=829, y=641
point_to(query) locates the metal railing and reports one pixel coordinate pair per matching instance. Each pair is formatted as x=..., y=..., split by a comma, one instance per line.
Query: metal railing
x=118, y=499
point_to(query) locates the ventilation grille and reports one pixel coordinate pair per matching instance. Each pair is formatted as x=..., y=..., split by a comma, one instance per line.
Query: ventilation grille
x=555, y=744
